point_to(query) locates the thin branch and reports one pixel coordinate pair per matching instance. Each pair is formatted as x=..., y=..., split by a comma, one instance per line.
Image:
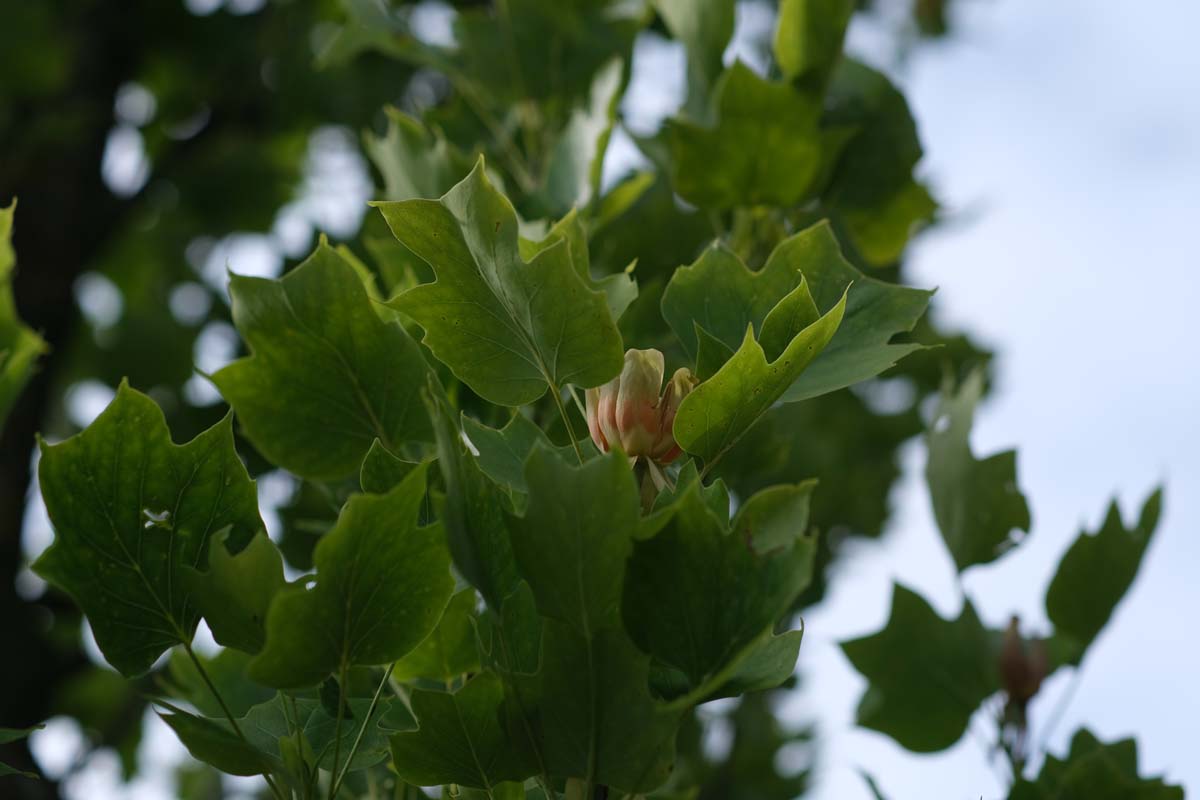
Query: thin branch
x=556, y=393
x=187, y=647
x=337, y=782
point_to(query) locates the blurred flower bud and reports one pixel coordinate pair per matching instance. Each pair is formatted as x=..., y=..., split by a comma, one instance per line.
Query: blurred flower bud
x=1023, y=665
x=628, y=411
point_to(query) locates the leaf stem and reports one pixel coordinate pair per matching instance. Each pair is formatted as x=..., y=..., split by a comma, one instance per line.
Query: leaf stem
x=337, y=729
x=562, y=410
x=187, y=648
x=362, y=730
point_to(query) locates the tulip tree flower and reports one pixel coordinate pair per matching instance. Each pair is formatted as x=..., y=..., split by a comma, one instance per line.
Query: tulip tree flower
x=629, y=412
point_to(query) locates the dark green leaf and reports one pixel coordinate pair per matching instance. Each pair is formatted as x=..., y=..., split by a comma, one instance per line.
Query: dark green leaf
x=462, y=739
x=572, y=543
x=234, y=594
x=381, y=586
x=598, y=719
x=228, y=672
x=130, y=510
x=1095, y=771
x=872, y=191
x=11, y=735
x=327, y=376
x=215, y=743
x=766, y=148
x=449, y=651
x=507, y=328
x=382, y=471
x=476, y=529
x=927, y=675
x=977, y=503
x=502, y=453
x=700, y=593
x=1095, y=573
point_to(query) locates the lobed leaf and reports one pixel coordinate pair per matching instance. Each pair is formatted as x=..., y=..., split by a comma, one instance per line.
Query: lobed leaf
x=381, y=586
x=506, y=328
x=326, y=376
x=976, y=502
x=131, y=511
x=927, y=675
x=235, y=593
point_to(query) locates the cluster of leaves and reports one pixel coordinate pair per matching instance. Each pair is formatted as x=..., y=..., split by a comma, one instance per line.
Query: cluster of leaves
x=477, y=597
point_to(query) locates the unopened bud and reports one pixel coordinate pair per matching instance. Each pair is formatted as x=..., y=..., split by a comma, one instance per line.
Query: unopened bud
x=628, y=411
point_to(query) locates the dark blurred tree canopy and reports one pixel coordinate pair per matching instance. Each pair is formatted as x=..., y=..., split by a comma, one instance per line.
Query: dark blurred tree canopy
x=143, y=137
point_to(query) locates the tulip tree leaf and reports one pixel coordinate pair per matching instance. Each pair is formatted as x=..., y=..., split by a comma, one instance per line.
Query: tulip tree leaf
x=213, y=742
x=228, y=672
x=768, y=664
x=413, y=161
x=927, y=675
x=1093, y=770
x=704, y=27
x=808, y=38
x=702, y=591
x=450, y=650
x=1095, y=573
x=714, y=300
x=573, y=540
x=721, y=409
x=871, y=190
x=234, y=594
x=876, y=311
x=502, y=452
x=574, y=169
x=766, y=148
x=12, y=735
x=599, y=721
x=382, y=471
x=381, y=586
x=476, y=528
x=461, y=739
x=19, y=345
x=977, y=503
x=130, y=510
x=326, y=375
x=506, y=328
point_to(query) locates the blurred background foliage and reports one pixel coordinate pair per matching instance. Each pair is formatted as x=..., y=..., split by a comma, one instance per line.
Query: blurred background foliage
x=153, y=142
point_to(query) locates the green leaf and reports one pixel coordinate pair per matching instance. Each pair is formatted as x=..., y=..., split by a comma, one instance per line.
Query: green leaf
x=871, y=191
x=766, y=148
x=462, y=739
x=476, y=527
x=701, y=592
x=876, y=311
x=720, y=410
x=573, y=171
x=704, y=27
x=413, y=161
x=503, y=452
x=719, y=297
x=19, y=345
x=1095, y=771
x=599, y=721
x=507, y=328
x=382, y=471
x=449, y=651
x=326, y=375
x=130, y=510
x=977, y=503
x=808, y=38
x=573, y=540
x=214, y=743
x=766, y=666
x=228, y=671
x=381, y=586
x=1095, y=573
x=12, y=735
x=927, y=675
x=620, y=289
x=234, y=594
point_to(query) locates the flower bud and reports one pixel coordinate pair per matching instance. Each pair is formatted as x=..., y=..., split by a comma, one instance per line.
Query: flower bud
x=628, y=411
x=1023, y=665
